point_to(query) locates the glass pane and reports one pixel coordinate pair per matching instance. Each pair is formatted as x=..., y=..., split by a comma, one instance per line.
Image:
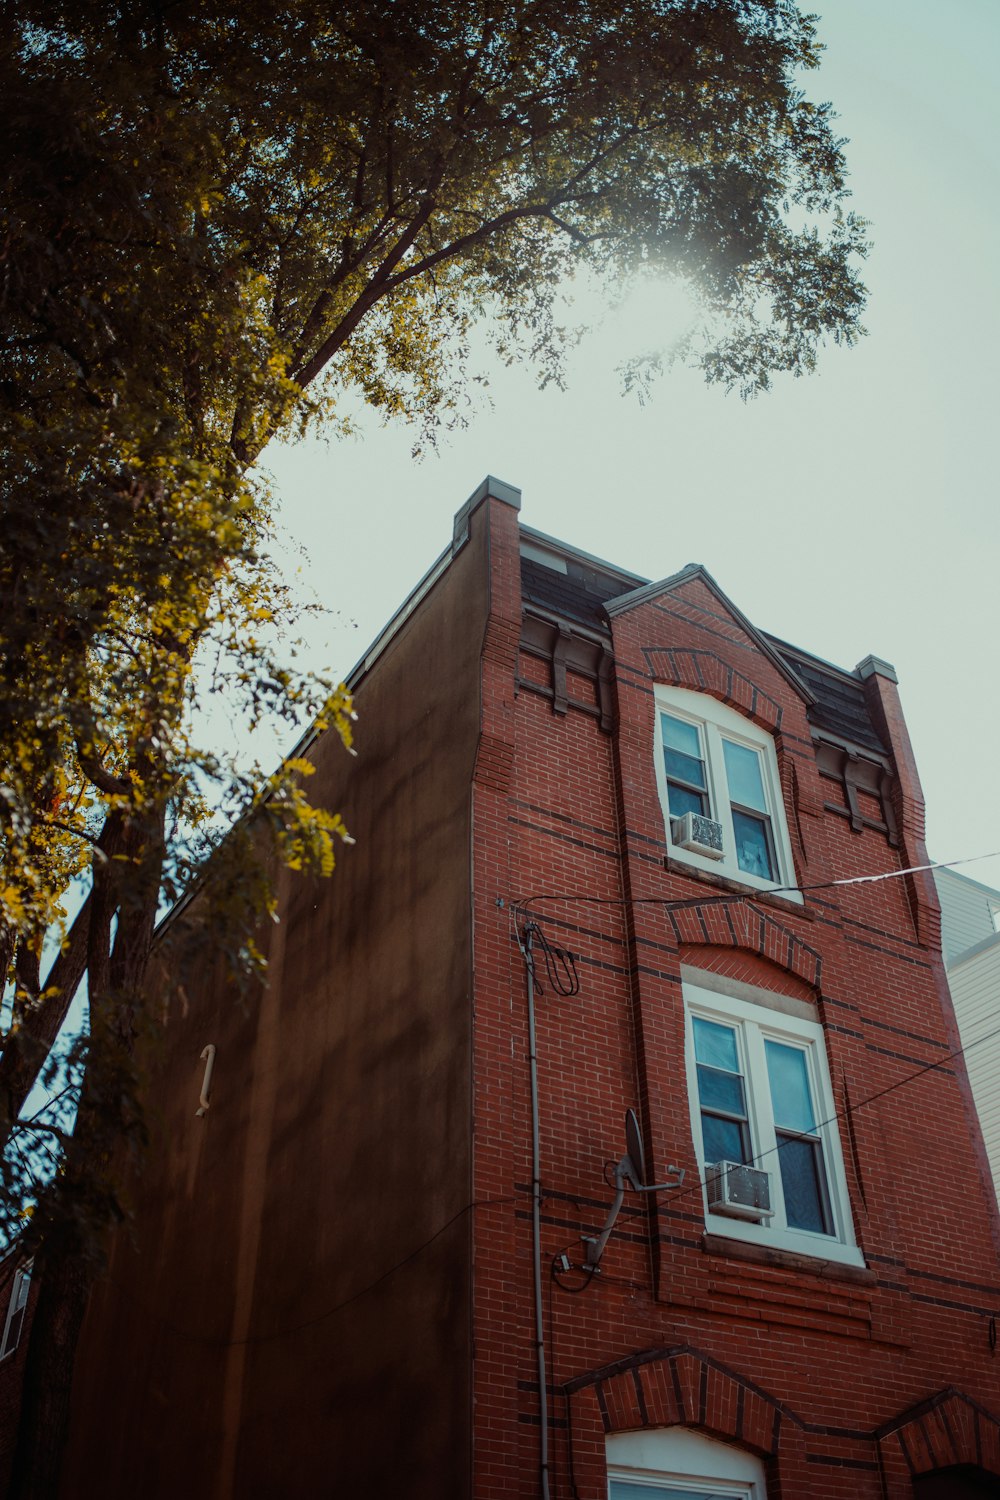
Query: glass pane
x=743, y=774
x=724, y=1140
x=752, y=852
x=715, y=1045
x=680, y=736
x=802, y=1184
x=684, y=767
x=631, y=1489
x=791, y=1097
x=682, y=800
x=721, y=1091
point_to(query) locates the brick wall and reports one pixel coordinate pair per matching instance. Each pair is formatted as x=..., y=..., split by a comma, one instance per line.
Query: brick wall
x=845, y=1380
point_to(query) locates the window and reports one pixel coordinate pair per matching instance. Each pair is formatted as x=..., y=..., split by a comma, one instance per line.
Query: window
x=15, y=1310
x=760, y=1096
x=713, y=763
x=675, y=1463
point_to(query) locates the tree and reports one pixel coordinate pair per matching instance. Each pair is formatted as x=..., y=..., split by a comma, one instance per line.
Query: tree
x=216, y=222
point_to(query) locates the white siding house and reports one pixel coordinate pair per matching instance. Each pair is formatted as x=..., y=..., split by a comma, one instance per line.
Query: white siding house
x=970, y=939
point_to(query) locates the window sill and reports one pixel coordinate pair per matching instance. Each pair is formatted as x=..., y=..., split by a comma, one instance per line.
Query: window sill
x=726, y=883
x=788, y=1260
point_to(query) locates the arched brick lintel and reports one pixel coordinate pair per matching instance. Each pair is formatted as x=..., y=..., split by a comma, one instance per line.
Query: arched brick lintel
x=681, y=1386
x=741, y=924
x=704, y=672
x=947, y=1429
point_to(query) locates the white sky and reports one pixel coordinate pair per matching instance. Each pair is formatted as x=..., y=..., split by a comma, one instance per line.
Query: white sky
x=852, y=512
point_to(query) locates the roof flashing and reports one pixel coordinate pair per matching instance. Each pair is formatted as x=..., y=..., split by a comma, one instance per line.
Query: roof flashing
x=875, y=666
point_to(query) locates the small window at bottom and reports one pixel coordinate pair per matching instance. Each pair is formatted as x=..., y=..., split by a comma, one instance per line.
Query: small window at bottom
x=677, y=1463
x=15, y=1311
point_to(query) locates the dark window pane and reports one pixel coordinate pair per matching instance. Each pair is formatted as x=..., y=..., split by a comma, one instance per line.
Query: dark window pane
x=805, y=1205
x=715, y=1045
x=631, y=1490
x=752, y=851
x=790, y=1094
x=724, y=1140
x=677, y=735
x=746, y=786
x=956, y=1482
x=685, y=768
x=682, y=800
x=722, y=1091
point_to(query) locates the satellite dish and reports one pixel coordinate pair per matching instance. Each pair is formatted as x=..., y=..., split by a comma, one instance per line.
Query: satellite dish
x=636, y=1156
x=629, y=1171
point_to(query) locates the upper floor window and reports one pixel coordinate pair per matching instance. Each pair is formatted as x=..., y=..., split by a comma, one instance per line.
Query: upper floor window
x=765, y=1127
x=718, y=781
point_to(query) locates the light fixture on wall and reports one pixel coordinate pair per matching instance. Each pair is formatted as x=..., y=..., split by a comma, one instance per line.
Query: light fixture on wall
x=208, y=1056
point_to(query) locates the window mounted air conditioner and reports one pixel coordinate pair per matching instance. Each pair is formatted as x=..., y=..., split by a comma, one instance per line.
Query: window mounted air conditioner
x=699, y=834
x=739, y=1191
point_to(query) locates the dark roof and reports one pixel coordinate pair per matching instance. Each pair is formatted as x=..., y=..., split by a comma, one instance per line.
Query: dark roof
x=840, y=705
x=579, y=594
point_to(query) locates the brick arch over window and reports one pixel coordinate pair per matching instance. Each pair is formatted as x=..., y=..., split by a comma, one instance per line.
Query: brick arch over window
x=742, y=925
x=680, y=1386
x=947, y=1431
x=704, y=672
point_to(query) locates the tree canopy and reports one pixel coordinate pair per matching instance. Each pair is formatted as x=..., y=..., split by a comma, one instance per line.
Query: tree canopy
x=216, y=222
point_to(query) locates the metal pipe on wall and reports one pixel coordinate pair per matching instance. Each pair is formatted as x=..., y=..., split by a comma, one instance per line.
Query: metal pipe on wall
x=536, y=1227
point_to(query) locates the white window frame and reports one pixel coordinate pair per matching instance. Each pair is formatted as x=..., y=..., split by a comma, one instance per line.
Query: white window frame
x=677, y=1458
x=715, y=720
x=17, y=1302
x=755, y=1023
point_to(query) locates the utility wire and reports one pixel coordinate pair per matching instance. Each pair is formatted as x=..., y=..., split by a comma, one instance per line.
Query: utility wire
x=560, y=964
x=774, y=890
x=839, y=1114
x=851, y=1109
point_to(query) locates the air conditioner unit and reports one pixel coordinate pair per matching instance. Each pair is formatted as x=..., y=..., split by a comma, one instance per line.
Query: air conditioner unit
x=739, y=1191
x=700, y=834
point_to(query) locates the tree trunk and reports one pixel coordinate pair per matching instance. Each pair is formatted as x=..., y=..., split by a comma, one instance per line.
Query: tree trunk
x=82, y=1203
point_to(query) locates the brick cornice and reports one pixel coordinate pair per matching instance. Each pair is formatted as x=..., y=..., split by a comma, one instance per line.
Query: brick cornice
x=705, y=672
x=681, y=1385
x=742, y=924
x=947, y=1429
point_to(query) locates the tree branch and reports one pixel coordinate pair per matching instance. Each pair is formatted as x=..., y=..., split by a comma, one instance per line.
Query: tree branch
x=104, y=780
x=379, y=283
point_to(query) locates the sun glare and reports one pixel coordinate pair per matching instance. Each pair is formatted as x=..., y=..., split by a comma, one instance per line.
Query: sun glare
x=653, y=319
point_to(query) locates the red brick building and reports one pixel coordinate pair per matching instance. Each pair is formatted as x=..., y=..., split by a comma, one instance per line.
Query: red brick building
x=348, y=1275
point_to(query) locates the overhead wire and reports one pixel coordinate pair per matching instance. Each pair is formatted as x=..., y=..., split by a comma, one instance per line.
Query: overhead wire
x=564, y=979
x=560, y=964
x=525, y=908
x=669, y=903
x=839, y=1114
x=851, y=1109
